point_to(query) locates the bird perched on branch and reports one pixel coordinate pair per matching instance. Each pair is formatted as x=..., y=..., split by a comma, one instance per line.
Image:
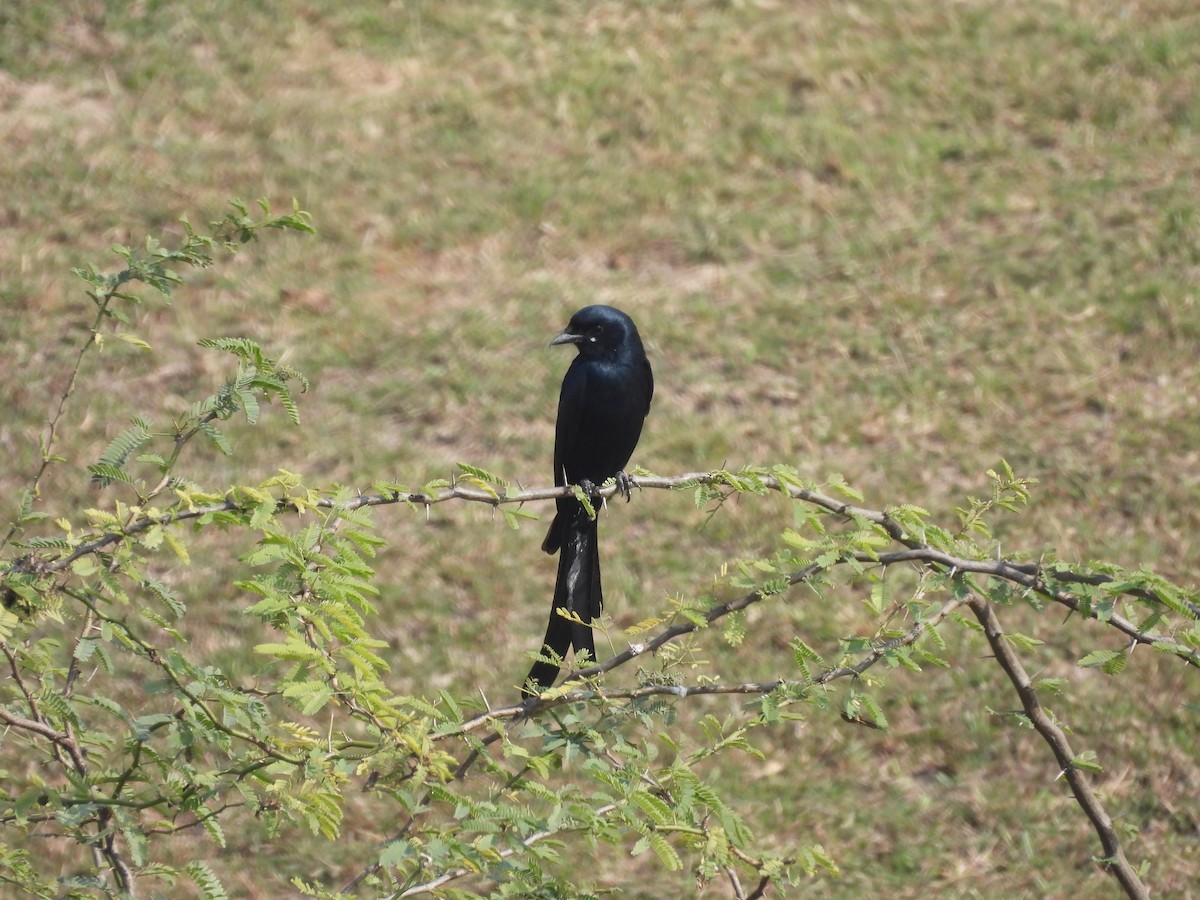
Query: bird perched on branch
x=605, y=396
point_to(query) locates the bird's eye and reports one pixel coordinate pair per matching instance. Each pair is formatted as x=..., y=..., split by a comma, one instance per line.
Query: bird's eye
x=595, y=331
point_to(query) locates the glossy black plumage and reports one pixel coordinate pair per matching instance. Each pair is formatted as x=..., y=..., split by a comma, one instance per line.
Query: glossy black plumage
x=605, y=396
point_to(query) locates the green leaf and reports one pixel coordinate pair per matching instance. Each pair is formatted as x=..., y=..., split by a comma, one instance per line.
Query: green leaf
x=8, y=622
x=293, y=650
x=214, y=434
x=1103, y=660
x=212, y=825
x=1116, y=665
x=289, y=404
x=263, y=514
x=132, y=339
x=1099, y=658
x=178, y=546
x=513, y=517
x=104, y=474
x=874, y=710
x=482, y=474
x=666, y=853
x=584, y=500
x=1022, y=641
x=878, y=599
x=805, y=653
x=243, y=348
x=735, y=628
x=1087, y=761
x=1050, y=685
x=135, y=838
x=249, y=405
x=117, y=453
x=810, y=858
x=839, y=486
x=205, y=879
x=394, y=853
x=652, y=806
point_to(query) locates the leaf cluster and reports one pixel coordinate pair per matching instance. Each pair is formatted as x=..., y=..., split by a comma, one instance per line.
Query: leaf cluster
x=471, y=799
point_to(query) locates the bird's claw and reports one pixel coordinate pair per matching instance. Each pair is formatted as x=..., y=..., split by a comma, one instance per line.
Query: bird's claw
x=624, y=485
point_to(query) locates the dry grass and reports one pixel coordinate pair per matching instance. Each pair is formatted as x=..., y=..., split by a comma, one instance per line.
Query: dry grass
x=893, y=240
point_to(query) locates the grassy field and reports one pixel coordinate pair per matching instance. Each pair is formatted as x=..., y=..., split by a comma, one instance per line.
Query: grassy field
x=895, y=240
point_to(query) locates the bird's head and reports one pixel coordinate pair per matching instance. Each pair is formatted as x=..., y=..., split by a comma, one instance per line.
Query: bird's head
x=600, y=331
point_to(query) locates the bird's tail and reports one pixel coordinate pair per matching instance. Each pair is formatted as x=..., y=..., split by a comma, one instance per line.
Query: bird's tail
x=577, y=591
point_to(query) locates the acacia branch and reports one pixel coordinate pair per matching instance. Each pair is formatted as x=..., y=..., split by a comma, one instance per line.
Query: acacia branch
x=104, y=846
x=51, y=433
x=1052, y=734
x=58, y=738
x=1030, y=578
x=560, y=697
x=999, y=569
x=197, y=821
x=151, y=653
x=1028, y=575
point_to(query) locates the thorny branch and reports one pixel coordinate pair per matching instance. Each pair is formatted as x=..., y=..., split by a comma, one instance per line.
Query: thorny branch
x=1031, y=576
x=571, y=693
x=1052, y=734
x=51, y=433
x=581, y=685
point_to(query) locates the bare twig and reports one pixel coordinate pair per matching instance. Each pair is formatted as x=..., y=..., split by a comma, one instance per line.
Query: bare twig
x=196, y=822
x=1114, y=855
x=760, y=889
x=104, y=847
x=59, y=738
x=735, y=883
x=51, y=432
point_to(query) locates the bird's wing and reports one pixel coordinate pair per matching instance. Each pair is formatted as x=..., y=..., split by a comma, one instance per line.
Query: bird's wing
x=649, y=383
x=570, y=411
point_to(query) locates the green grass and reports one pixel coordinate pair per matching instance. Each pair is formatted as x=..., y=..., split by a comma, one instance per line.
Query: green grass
x=893, y=240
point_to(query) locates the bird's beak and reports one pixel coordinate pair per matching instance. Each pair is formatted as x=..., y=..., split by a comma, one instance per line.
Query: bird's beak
x=566, y=337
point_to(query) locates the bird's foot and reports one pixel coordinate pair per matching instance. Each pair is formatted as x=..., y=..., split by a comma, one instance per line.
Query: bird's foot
x=591, y=490
x=624, y=485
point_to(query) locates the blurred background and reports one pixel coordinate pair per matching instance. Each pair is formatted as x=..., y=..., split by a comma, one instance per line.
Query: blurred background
x=894, y=240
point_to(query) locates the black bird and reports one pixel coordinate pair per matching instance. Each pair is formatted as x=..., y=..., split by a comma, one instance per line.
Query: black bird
x=605, y=396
